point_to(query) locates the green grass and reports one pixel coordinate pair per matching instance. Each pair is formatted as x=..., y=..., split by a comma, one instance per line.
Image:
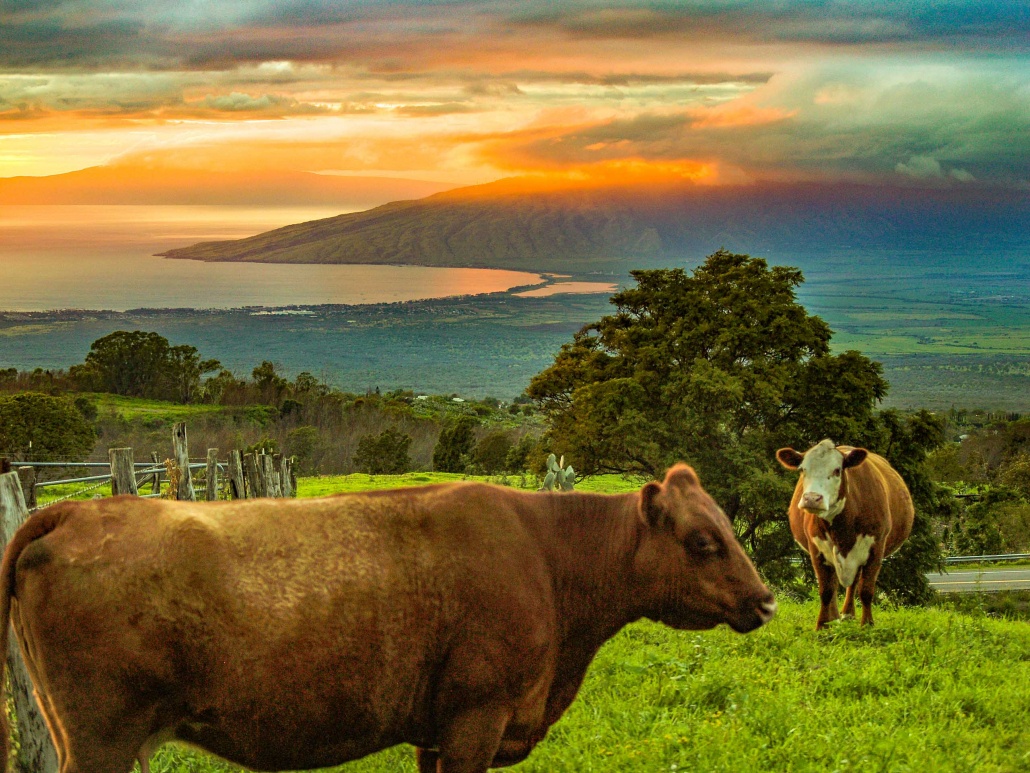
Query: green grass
x=938, y=689
x=324, y=485
x=924, y=690
x=132, y=408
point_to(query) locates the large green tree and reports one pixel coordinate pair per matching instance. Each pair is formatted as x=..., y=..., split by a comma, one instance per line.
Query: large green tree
x=141, y=364
x=718, y=367
x=44, y=428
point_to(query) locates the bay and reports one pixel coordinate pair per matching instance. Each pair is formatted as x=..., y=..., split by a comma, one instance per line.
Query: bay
x=103, y=257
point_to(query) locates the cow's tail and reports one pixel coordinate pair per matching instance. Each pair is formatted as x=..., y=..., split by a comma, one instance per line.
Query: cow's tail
x=38, y=525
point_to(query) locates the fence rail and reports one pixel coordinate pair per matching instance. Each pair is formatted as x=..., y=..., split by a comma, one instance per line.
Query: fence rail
x=267, y=475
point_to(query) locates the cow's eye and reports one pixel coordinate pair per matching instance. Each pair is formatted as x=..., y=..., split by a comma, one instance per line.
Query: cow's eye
x=703, y=545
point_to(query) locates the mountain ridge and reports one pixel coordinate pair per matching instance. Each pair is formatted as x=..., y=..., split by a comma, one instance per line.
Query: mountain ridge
x=139, y=184
x=607, y=227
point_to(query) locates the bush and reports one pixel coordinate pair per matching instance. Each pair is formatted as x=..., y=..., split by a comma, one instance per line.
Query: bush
x=454, y=446
x=519, y=454
x=491, y=454
x=44, y=428
x=383, y=454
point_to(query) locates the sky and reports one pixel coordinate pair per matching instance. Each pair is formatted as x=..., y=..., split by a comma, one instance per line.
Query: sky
x=889, y=92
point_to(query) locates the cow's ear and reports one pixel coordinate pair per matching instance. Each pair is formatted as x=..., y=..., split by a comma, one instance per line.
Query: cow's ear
x=651, y=511
x=855, y=457
x=681, y=476
x=790, y=458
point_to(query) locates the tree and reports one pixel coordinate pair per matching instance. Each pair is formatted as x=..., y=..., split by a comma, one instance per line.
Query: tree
x=139, y=364
x=718, y=368
x=183, y=370
x=44, y=428
x=491, y=453
x=131, y=363
x=383, y=454
x=269, y=382
x=454, y=446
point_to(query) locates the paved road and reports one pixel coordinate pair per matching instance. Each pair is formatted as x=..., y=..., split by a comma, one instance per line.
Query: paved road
x=964, y=580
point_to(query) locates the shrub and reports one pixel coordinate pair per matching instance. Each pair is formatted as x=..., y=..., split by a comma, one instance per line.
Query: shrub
x=491, y=453
x=383, y=454
x=44, y=427
x=454, y=446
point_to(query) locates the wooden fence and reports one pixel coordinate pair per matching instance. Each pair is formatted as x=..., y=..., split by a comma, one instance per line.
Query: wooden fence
x=240, y=476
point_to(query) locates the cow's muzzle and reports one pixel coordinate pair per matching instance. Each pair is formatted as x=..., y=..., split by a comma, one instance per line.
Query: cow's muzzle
x=754, y=613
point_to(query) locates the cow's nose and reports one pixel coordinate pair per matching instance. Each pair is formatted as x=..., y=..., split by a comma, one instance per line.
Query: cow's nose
x=812, y=501
x=767, y=610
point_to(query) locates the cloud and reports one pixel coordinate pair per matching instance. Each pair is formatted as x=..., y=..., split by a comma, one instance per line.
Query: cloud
x=865, y=122
x=920, y=167
x=414, y=34
x=998, y=25
x=238, y=102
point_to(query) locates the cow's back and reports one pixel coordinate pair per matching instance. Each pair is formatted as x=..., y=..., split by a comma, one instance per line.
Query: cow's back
x=299, y=618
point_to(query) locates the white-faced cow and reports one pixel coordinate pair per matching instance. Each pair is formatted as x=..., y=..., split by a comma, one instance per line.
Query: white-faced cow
x=298, y=634
x=850, y=510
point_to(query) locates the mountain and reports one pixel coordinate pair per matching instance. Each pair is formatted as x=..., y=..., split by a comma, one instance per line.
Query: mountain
x=520, y=225
x=140, y=184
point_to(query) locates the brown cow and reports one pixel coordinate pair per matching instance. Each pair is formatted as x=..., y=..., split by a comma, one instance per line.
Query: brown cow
x=850, y=510
x=289, y=635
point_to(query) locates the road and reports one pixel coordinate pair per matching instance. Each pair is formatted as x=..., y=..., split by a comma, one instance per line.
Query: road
x=964, y=580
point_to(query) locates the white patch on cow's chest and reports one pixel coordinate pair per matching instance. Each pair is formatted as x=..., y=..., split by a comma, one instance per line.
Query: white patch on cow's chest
x=846, y=564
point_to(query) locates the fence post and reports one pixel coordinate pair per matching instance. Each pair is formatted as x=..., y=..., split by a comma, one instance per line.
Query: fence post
x=123, y=472
x=271, y=476
x=237, y=485
x=286, y=477
x=37, y=751
x=255, y=480
x=155, y=482
x=27, y=476
x=212, y=475
x=182, y=461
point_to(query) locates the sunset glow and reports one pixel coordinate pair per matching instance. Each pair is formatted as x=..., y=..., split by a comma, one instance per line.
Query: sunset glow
x=469, y=92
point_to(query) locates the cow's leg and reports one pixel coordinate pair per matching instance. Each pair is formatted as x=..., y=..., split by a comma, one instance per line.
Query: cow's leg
x=827, y=579
x=867, y=588
x=471, y=740
x=849, y=597
x=427, y=760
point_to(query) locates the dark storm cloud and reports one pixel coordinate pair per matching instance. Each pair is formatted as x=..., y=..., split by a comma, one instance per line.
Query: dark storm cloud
x=1001, y=24
x=152, y=34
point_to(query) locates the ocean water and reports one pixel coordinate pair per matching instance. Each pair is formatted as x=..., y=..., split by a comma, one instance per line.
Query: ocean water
x=102, y=257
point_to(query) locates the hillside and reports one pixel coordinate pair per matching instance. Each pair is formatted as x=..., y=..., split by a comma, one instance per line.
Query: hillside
x=511, y=225
x=139, y=184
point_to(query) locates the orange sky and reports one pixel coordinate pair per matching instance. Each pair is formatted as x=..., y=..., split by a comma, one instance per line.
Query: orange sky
x=464, y=92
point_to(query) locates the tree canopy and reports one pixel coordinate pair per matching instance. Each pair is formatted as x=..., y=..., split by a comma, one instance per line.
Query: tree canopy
x=718, y=367
x=140, y=364
x=44, y=428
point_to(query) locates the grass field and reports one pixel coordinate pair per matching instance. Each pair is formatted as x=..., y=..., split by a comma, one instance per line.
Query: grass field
x=925, y=690
x=130, y=408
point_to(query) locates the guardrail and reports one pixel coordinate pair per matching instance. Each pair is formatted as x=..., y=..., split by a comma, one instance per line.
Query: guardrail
x=983, y=559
